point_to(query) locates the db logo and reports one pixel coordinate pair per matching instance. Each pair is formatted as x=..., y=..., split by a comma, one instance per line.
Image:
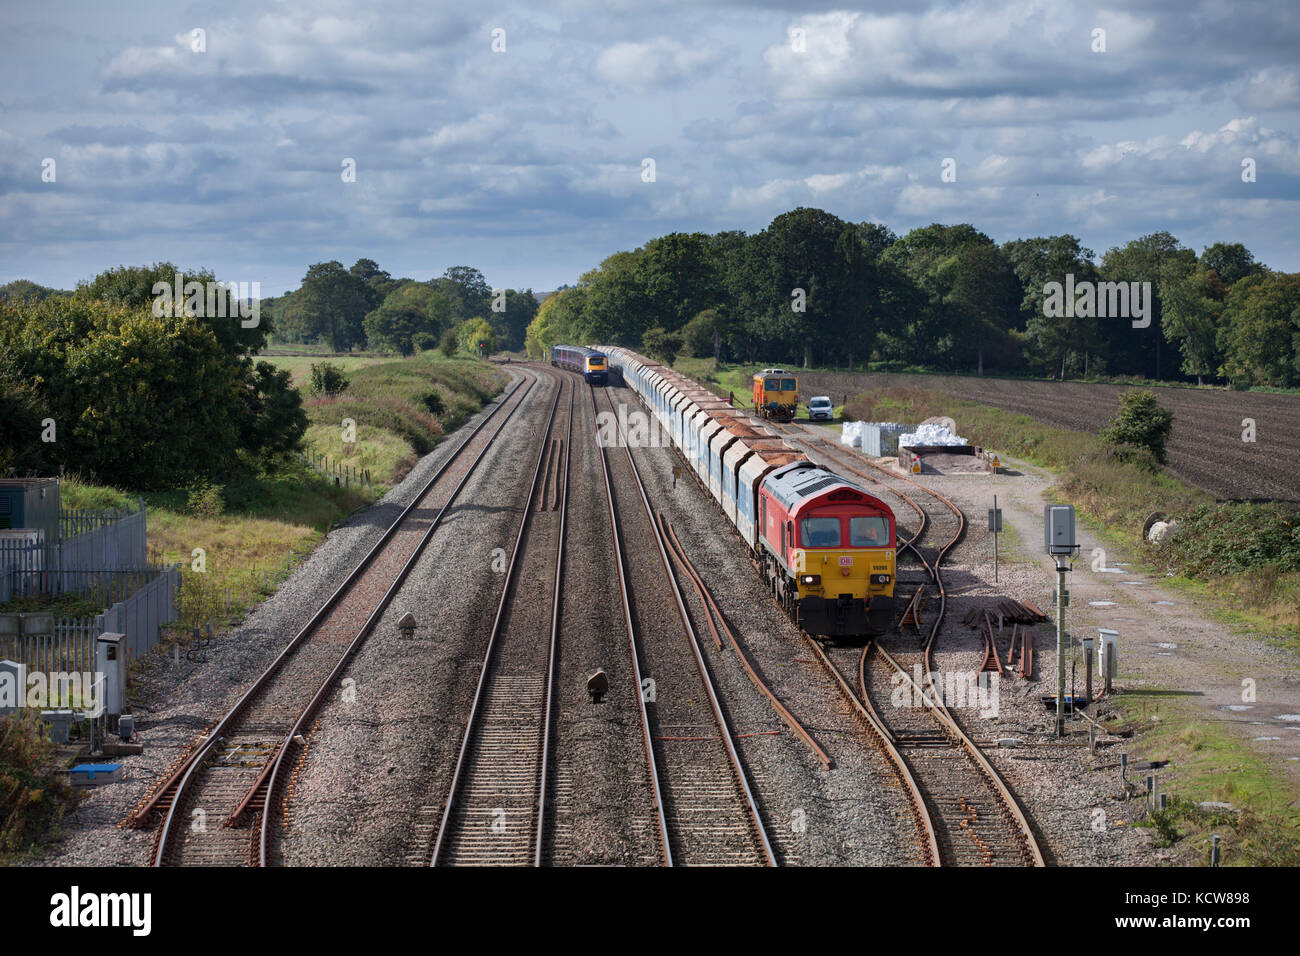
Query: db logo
x=846, y=561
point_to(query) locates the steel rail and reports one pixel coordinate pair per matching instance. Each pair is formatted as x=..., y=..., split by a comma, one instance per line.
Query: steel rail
x=933, y=700
x=646, y=737
x=563, y=504
x=934, y=705
x=178, y=782
x=711, y=609
x=471, y=721
x=724, y=730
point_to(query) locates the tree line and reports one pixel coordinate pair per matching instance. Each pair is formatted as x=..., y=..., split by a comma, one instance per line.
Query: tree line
x=814, y=289
x=365, y=307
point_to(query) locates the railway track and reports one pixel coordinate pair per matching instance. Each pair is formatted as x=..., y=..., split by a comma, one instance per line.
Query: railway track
x=219, y=803
x=495, y=810
x=964, y=812
x=707, y=814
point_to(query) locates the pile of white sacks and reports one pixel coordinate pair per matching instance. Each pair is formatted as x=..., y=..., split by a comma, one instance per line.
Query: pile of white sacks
x=929, y=434
x=852, y=432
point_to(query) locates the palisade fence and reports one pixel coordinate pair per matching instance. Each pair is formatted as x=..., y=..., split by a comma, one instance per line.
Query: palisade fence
x=49, y=644
x=100, y=558
x=95, y=546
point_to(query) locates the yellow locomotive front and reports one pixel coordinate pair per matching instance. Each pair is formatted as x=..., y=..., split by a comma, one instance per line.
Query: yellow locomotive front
x=776, y=394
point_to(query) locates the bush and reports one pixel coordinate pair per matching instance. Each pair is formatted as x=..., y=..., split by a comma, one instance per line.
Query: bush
x=450, y=342
x=205, y=501
x=661, y=344
x=424, y=341
x=434, y=403
x=33, y=795
x=327, y=379
x=1141, y=423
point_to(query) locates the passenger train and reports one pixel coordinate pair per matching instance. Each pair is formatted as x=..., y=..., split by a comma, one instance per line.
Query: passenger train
x=587, y=362
x=825, y=547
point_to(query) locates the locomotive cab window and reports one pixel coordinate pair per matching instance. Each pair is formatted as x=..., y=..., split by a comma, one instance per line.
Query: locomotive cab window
x=773, y=384
x=787, y=385
x=819, y=532
x=868, y=532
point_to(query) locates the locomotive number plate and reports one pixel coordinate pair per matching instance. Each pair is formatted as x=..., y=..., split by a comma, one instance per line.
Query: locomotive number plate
x=846, y=561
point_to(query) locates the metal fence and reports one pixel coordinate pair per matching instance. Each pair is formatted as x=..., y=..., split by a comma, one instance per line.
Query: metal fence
x=68, y=644
x=109, y=542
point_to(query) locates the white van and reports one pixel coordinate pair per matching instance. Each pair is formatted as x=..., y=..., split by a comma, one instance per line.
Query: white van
x=820, y=409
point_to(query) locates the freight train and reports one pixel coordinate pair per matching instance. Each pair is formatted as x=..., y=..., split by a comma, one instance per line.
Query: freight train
x=589, y=363
x=825, y=547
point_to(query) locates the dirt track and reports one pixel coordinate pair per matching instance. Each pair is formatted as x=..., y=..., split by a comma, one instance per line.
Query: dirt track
x=1205, y=449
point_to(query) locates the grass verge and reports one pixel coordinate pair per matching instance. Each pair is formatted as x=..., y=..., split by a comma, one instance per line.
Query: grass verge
x=1211, y=764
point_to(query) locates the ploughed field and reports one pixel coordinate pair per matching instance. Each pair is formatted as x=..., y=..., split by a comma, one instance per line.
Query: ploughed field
x=1206, y=446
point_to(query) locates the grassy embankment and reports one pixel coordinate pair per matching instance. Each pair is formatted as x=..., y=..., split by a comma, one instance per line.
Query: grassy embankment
x=249, y=528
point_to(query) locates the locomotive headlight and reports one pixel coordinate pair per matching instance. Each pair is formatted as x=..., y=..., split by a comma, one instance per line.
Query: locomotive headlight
x=813, y=579
x=880, y=578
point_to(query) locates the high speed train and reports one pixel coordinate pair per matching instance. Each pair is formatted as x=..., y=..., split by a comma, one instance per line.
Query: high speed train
x=587, y=362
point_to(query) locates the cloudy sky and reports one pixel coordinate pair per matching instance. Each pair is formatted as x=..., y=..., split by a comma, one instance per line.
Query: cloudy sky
x=528, y=162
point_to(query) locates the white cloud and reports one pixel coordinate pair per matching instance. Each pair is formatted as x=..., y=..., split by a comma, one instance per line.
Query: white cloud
x=654, y=64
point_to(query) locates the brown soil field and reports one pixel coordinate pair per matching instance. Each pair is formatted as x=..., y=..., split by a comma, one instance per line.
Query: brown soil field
x=1205, y=449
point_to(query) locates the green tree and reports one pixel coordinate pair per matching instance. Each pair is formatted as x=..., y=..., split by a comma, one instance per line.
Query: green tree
x=333, y=305
x=809, y=285
x=701, y=335
x=559, y=321
x=467, y=291
x=474, y=331
x=1068, y=344
x=450, y=341
x=1140, y=423
x=1260, y=330
x=610, y=305
x=662, y=344
x=1231, y=261
x=21, y=415
x=1193, y=305
x=678, y=279
x=511, y=324
x=145, y=401
x=133, y=287
x=1156, y=258
x=412, y=308
x=273, y=420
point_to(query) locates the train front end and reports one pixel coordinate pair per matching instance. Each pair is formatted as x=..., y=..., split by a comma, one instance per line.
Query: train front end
x=776, y=394
x=838, y=553
x=596, y=369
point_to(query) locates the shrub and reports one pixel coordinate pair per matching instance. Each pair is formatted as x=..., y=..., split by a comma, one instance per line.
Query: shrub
x=449, y=343
x=424, y=341
x=327, y=379
x=205, y=500
x=1141, y=423
x=33, y=795
x=434, y=403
